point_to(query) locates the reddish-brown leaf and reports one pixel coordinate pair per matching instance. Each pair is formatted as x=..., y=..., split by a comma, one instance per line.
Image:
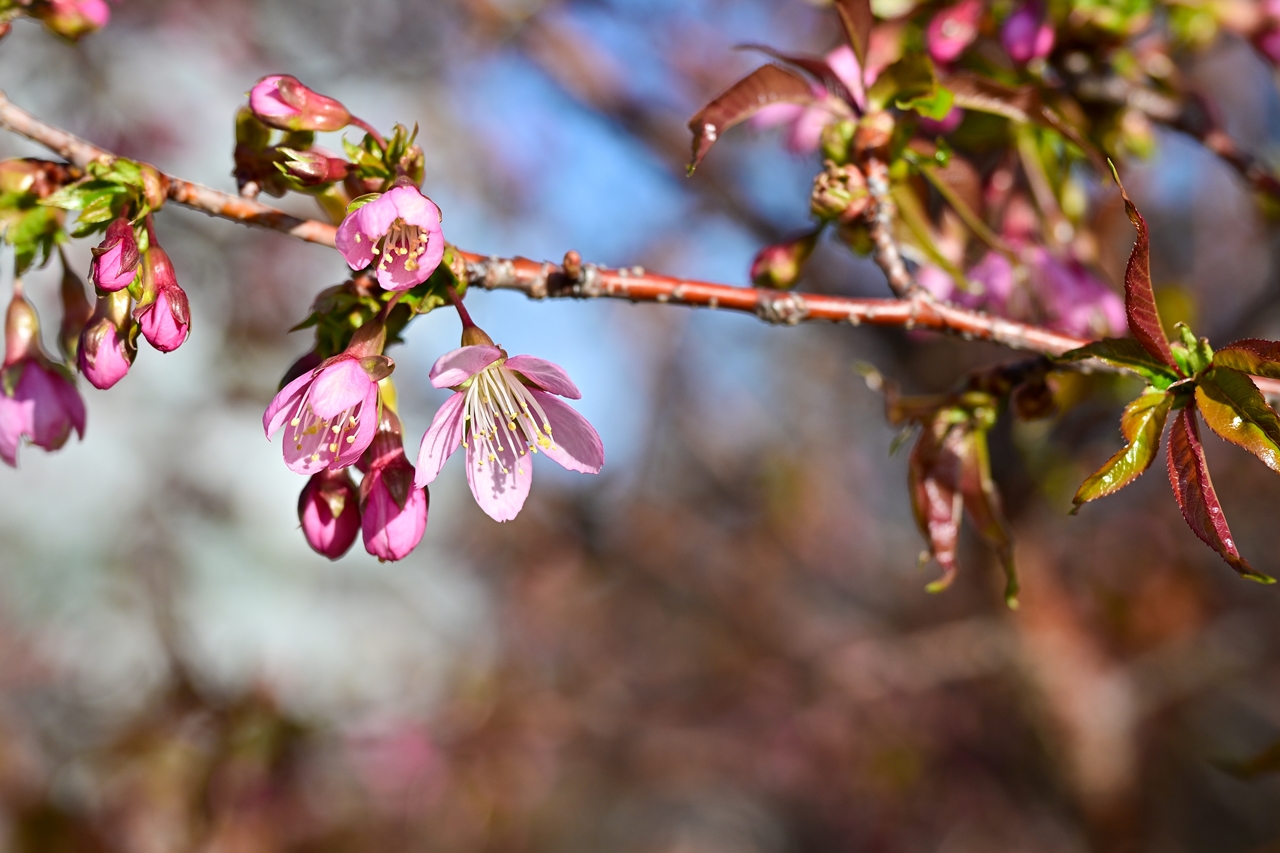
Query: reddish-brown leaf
x=858, y=20
x=1259, y=357
x=771, y=84
x=814, y=66
x=933, y=478
x=1139, y=298
x=1189, y=476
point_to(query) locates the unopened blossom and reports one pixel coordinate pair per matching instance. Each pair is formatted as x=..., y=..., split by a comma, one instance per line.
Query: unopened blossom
x=72, y=19
x=283, y=102
x=329, y=512
x=398, y=232
x=779, y=265
x=106, y=350
x=505, y=411
x=76, y=312
x=952, y=30
x=330, y=413
x=115, y=259
x=164, y=313
x=1027, y=33
x=38, y=399
x=393, y=508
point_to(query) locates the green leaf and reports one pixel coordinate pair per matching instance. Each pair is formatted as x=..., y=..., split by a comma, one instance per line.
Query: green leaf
x=1142, y=423
x=1235, y=409
x=1259, y=357
x=910, y=79
x=1129, y=354
x=935, y=106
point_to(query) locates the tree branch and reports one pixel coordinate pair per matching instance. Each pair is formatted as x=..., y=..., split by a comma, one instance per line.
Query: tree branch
x=574, y=279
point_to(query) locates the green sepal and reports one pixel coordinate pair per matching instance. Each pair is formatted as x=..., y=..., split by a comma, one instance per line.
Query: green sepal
x=1128, y=354
x=360, y=201
x=1141, y=424
x=1192, y=354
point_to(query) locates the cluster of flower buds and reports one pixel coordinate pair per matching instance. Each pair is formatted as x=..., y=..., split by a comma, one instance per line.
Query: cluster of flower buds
x=839, y=194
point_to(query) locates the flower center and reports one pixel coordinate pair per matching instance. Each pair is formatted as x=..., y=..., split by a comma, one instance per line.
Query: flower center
x=310, y=429
x=501, y=410
x=403, y=243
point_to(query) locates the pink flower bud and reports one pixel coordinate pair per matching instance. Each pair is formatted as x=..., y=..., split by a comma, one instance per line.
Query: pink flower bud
x=283, y=102
x=315, y=167
x=72, y=19
x=76, y=312
x=165, y=317
x=779, y=266
x=115, y=260
x=38, y=399
x=1026, y=34
x=953, y=29
x=106, y=352
x=393, y=510
x=329, y=510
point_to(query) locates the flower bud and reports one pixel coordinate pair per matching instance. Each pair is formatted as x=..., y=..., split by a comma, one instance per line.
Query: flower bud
x=106, y=345
x=313, y=168
x=72, y=19
x=839, y=193
x=329, y=511
x=837, y=137
x=163, y=313
x=874, y=133
x=393, y=511
x=76, y=312
x=952, y=30
x=115, y=260
x=779, y=266
x=1026, y=34
x=21, y=329
x=282, y=102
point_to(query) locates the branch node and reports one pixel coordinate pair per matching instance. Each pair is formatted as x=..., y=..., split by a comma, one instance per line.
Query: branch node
x=782, y=308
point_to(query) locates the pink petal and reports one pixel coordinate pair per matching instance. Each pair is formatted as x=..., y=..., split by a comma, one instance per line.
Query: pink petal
x=456, y=367
x=281, y=407
x=366, y=427
x=501, y=494
x=442, y=438
x=397, y=275
x=357, y=253
x=11, y=429
x=415, y=208
x=375, y=218
x=776, y=114
x=546, y=375
x=844, y=63
x=338, y=387
x=309, y=454
x=390, y=532
x=574, y=442
x=50, y=424
x=264, y=98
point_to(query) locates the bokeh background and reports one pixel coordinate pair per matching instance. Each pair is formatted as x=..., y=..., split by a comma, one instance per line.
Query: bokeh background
x=719, y=645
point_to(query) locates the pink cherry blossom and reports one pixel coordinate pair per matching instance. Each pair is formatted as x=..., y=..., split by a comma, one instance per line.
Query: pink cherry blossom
x=115, y=260
x=1026, y=34
x=329, y=511
x=393, y=507
x=331, y=412
x=283, y=102
x=401, y=229
x=44, y=408
x=165, y=320
x=952, y=30
x=505, y=410
x=44, y=405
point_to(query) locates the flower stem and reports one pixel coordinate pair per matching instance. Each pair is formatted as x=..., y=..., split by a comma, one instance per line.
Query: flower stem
x=463, y=315
x=369, y=129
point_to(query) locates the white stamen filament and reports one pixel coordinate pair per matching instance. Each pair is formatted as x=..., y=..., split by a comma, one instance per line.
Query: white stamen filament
x=500, y=409
x=402, y=240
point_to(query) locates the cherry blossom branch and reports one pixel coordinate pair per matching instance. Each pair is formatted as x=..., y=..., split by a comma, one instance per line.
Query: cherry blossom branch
x=575, y=279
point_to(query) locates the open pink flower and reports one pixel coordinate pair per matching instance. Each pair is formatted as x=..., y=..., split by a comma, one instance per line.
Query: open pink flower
x=329, y=511
x=503, y=412
x=282, y=102
x=115, y=261
x=401, y=229
x=166, y=319
x=393, y=507
x=331, y=412
x=44, y=405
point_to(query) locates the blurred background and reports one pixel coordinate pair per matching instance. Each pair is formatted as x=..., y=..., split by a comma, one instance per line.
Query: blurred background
x=722, y=643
